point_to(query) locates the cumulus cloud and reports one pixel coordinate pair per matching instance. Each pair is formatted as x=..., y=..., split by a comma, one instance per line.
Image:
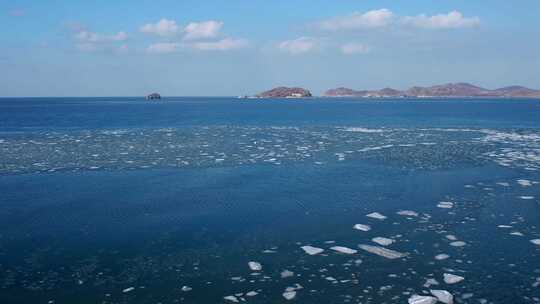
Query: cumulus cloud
x=354, y=48
x=202, y=30
x=163, y=27
x=220, y=45
x=298, y=46
x=91, y=37
x=371, y=19
x=163, y=48
x=453, y=19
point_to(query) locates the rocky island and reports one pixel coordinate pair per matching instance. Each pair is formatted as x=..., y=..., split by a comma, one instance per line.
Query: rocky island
x=285, y=92
x=450, y=90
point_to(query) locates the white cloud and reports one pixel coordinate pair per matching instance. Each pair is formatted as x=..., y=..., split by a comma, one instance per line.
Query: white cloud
x=453, y=19
x=355, y=48
x=163, y=48
x=370, y=19
x=202, y=30
x=298, y=46
x=91, y=37
x=163, y=27
x=220, y=45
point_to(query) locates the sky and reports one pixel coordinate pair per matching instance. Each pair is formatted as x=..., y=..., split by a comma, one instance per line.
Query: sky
x=230, y=48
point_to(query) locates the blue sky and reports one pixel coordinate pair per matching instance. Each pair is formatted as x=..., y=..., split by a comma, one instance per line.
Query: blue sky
x=128, y=48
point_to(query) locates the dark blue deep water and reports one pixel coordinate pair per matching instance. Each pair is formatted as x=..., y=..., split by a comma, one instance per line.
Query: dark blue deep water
x=119, y=200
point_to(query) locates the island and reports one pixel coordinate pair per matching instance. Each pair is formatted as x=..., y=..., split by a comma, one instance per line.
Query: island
x=153, y=96
x=285, y=92
x=450, y=90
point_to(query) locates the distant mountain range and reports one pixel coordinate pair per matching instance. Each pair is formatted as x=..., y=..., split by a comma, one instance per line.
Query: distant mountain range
x=445, y=90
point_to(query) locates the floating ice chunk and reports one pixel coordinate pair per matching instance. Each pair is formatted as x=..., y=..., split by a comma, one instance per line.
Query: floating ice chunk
x=442, y=256
x=344, y=250
x=384, y=252
x=376, y=215
x=445, y=205
x=430, y=282
x=362, y=227
x=416, y=299
x=286, y=273
x=451, y=237
x=382, y=241
x=255, y=266
x=504, y=184
x=443, y=296
x=407, y=213
x=186, y=288
x=536, y=242
x=231, y=298
x=458, y=244
x=312, y=250
x=526, y=197
x=251, y=293
x=289, y=295
x=129, y=289
x=504, y=226
x=516, y=233
x=524, y=182
x=452, y=278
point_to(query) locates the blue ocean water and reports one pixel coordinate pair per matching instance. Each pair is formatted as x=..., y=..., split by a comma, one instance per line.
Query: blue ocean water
x=119, y=200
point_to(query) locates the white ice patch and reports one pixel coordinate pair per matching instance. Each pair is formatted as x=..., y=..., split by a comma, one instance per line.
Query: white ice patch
x=255, y=266
x=442, y=256
x=382, y=241
x=362, y=227
x=536, y=242
x=407, y=213
x=458, y=244
x=384, y=252
x=526, y=197
x=344, y=250
x=452, y=278
x=443, y=296
x=416, y=299
x=286, y=274
x=251, y=293
x=445, y=205
x=186, y=288
x=524, y=182
x=289, y=295
x=129, y=289
x=376, y=215
x=231, y=299
x=312, y=250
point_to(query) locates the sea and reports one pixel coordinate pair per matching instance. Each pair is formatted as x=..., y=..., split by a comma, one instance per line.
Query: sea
x=226, y=200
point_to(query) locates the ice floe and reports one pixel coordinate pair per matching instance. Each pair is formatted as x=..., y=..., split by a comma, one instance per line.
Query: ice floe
x=458, y=244
x=286, y=274
x=289, y=295
x=416, y=299
x=344, y=250
x=381, y=251
x=129, y=289
x=186, y=288
x=524, y=182
x=536, y=242
x=312, y=250
x=452, y=278
x=445, y=205
x=407, y=213
x=231, y=299
x=443, y=296
x=255, y=266
x=362, y=227
x=376, y=215
x=382, y=241
x=442, y=256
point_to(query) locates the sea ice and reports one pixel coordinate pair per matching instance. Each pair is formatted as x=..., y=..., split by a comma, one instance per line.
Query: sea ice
x=416, y=299
x=382, y=241
x=445, y=205
x=442, y=256
x=376, y=215
x=128, y=289
x=362, y=227
x=231, y=298
x=312, y=250
x=452, y=278
x=524, y=182
x=536, y=242
x=344, y=250
x=384, y=252
x=451, y=237
x=251, y=293
x=286, y=273
x=186, y=288
x=526, y=197
x=289, y=295
x=443, y=296
x=255, y=266
x=458, y=244
x=407, y=213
